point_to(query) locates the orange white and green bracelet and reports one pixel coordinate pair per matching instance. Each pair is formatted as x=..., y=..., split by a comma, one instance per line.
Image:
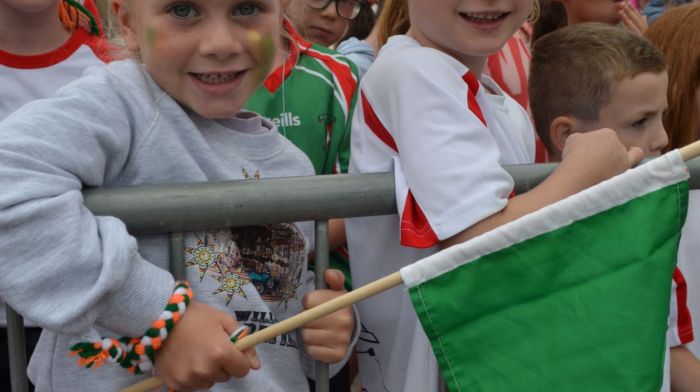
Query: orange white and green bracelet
x=136, y=354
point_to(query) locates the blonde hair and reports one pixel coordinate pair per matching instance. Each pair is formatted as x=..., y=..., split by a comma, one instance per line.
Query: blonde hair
x=393, y=19
x=113, y=33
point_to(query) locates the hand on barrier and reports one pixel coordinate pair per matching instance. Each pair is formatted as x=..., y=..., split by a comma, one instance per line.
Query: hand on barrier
x=596, y=156
x=327, y=338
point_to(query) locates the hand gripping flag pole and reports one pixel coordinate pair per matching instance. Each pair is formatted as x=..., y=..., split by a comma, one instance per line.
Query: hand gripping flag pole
x=409, y=279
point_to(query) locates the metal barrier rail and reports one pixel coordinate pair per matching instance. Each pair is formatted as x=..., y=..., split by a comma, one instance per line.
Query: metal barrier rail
x=178, y=208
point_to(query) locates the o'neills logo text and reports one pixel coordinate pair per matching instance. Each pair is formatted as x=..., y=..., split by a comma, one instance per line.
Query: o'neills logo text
x=287, y=120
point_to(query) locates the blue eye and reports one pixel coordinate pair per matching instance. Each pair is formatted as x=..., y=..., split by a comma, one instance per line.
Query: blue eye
x=183, y=11
x=247, y=9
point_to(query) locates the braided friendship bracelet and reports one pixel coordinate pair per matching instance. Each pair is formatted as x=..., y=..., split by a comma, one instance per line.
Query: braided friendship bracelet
x=136, y=354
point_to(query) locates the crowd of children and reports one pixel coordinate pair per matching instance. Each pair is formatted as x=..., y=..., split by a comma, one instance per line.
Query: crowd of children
x=436, y=92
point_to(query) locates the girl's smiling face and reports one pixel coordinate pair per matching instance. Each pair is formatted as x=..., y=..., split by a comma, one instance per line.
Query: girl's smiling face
x=209, y=55
x=468, y=30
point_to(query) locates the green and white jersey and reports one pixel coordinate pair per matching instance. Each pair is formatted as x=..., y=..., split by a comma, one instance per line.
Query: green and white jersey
x=311, y=99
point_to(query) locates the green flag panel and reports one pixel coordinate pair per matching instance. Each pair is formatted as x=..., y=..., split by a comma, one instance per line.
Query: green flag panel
x=580, y=308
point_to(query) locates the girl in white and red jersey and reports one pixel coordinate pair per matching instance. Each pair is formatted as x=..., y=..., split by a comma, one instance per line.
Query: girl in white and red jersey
x=43, y=46
x=427, y=113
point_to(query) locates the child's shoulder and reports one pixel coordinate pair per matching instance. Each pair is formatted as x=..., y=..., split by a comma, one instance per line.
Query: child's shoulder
x=328, y=60
x=122, y=86
x=322, y=52
x=123, y=77
x=403, y=61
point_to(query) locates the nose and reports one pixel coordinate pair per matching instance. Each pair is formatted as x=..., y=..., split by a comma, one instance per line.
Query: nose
x=330, y=11
x=659, y=138
x=220, y=39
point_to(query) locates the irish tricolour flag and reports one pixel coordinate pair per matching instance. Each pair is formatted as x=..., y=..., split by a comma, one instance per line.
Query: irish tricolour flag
x=574, y=297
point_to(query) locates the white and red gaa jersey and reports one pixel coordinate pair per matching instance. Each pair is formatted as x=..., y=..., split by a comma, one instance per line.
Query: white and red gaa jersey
x=26, y=78
x=689, y=263
x=446, y=136
x=510, y=69
x=680, y=326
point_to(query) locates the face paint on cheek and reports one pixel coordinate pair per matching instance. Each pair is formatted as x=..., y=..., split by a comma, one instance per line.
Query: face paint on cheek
x=263, y=52
x=151, y=37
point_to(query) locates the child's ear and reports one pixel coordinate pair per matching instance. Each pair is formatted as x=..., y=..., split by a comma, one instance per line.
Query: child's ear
x=120, y=11
x=559, y=130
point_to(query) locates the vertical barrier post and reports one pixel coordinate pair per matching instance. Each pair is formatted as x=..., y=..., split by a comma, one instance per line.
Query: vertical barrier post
x=17, y=351
x=320, y=266
x=177, y=256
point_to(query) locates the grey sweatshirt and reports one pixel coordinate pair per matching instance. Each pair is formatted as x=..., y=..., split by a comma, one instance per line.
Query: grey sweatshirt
x=82, y=276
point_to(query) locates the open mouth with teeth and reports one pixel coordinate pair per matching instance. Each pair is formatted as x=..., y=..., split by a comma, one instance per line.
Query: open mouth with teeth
x=216, y=78
x=484, y=18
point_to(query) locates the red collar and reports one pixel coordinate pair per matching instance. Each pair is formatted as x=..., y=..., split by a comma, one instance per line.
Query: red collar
x=297, y=45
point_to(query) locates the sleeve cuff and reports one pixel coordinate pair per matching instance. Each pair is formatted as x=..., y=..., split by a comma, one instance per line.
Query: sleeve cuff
x=138, y=302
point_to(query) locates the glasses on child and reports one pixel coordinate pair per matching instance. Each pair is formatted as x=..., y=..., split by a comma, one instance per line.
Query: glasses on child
x=346, y=9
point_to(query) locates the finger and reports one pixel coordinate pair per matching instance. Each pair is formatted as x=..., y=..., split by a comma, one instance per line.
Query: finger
x=326, y=354
x=252, y=356
x=190, y=381
x=317, y=297
x=339, y=320
x=229, y=323
x=635, y=155
x=220, y=376
x=628, y=23
x=235, y=363
x=200, y=384
x=334, y=279
x=638, y=19
x=326, y=338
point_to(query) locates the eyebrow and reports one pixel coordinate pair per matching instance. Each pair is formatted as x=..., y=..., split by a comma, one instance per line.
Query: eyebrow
x=649, y=113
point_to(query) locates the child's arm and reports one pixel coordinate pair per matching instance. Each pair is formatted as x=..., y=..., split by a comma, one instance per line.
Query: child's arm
x=63, y=267
x=447, y=156
x=685, y=370
x=328, y=339
x=199, y=352
x=588, y=158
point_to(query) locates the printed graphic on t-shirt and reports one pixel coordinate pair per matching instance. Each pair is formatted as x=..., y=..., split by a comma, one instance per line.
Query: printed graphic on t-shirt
x=257, y=321
x=365, y=346
x=269, y=257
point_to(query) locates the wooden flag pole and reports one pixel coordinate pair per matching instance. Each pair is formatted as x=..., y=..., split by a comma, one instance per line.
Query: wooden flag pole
x=297, y=321
x=688, y=152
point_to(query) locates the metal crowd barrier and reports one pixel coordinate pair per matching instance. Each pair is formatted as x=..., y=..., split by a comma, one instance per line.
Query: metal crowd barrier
x=178, y=208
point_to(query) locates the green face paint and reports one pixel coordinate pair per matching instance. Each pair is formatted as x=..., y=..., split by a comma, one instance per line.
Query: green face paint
x=151, y=37
x=264, y=53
